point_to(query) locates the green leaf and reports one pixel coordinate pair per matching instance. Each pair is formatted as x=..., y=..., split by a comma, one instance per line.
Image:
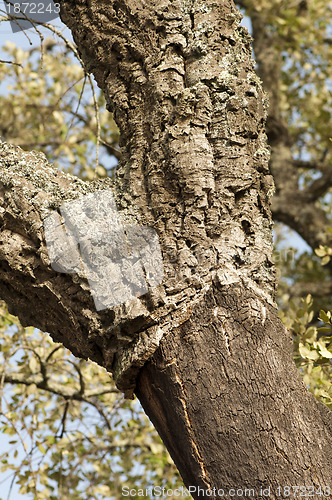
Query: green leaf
x=326, y=260
x=308, y=353
x=324, y=316
x=320, y=252
x=324, y=352
x=42, y=449
x=310, y=334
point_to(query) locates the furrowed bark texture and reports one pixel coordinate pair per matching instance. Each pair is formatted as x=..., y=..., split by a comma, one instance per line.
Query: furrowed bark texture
x=222, y=388
x=120, y=338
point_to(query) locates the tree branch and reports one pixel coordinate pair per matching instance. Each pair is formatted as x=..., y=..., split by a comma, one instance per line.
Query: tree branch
x=302, y=289
x=318, y=187
x=295, y=207
x=308, y=220
x=53, y=387
x=29, y=189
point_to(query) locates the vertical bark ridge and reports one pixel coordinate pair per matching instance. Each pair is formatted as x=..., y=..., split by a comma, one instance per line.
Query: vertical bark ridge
x=191, y=115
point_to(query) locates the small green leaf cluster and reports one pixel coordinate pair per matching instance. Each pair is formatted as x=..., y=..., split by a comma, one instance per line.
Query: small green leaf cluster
x=312, y=346
x=325, y=253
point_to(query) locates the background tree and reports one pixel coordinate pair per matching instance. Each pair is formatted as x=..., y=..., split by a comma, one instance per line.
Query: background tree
x=316, y=348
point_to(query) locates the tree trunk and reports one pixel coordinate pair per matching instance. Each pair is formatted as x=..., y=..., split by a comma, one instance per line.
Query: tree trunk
x=225, y=396
x=221, y=388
